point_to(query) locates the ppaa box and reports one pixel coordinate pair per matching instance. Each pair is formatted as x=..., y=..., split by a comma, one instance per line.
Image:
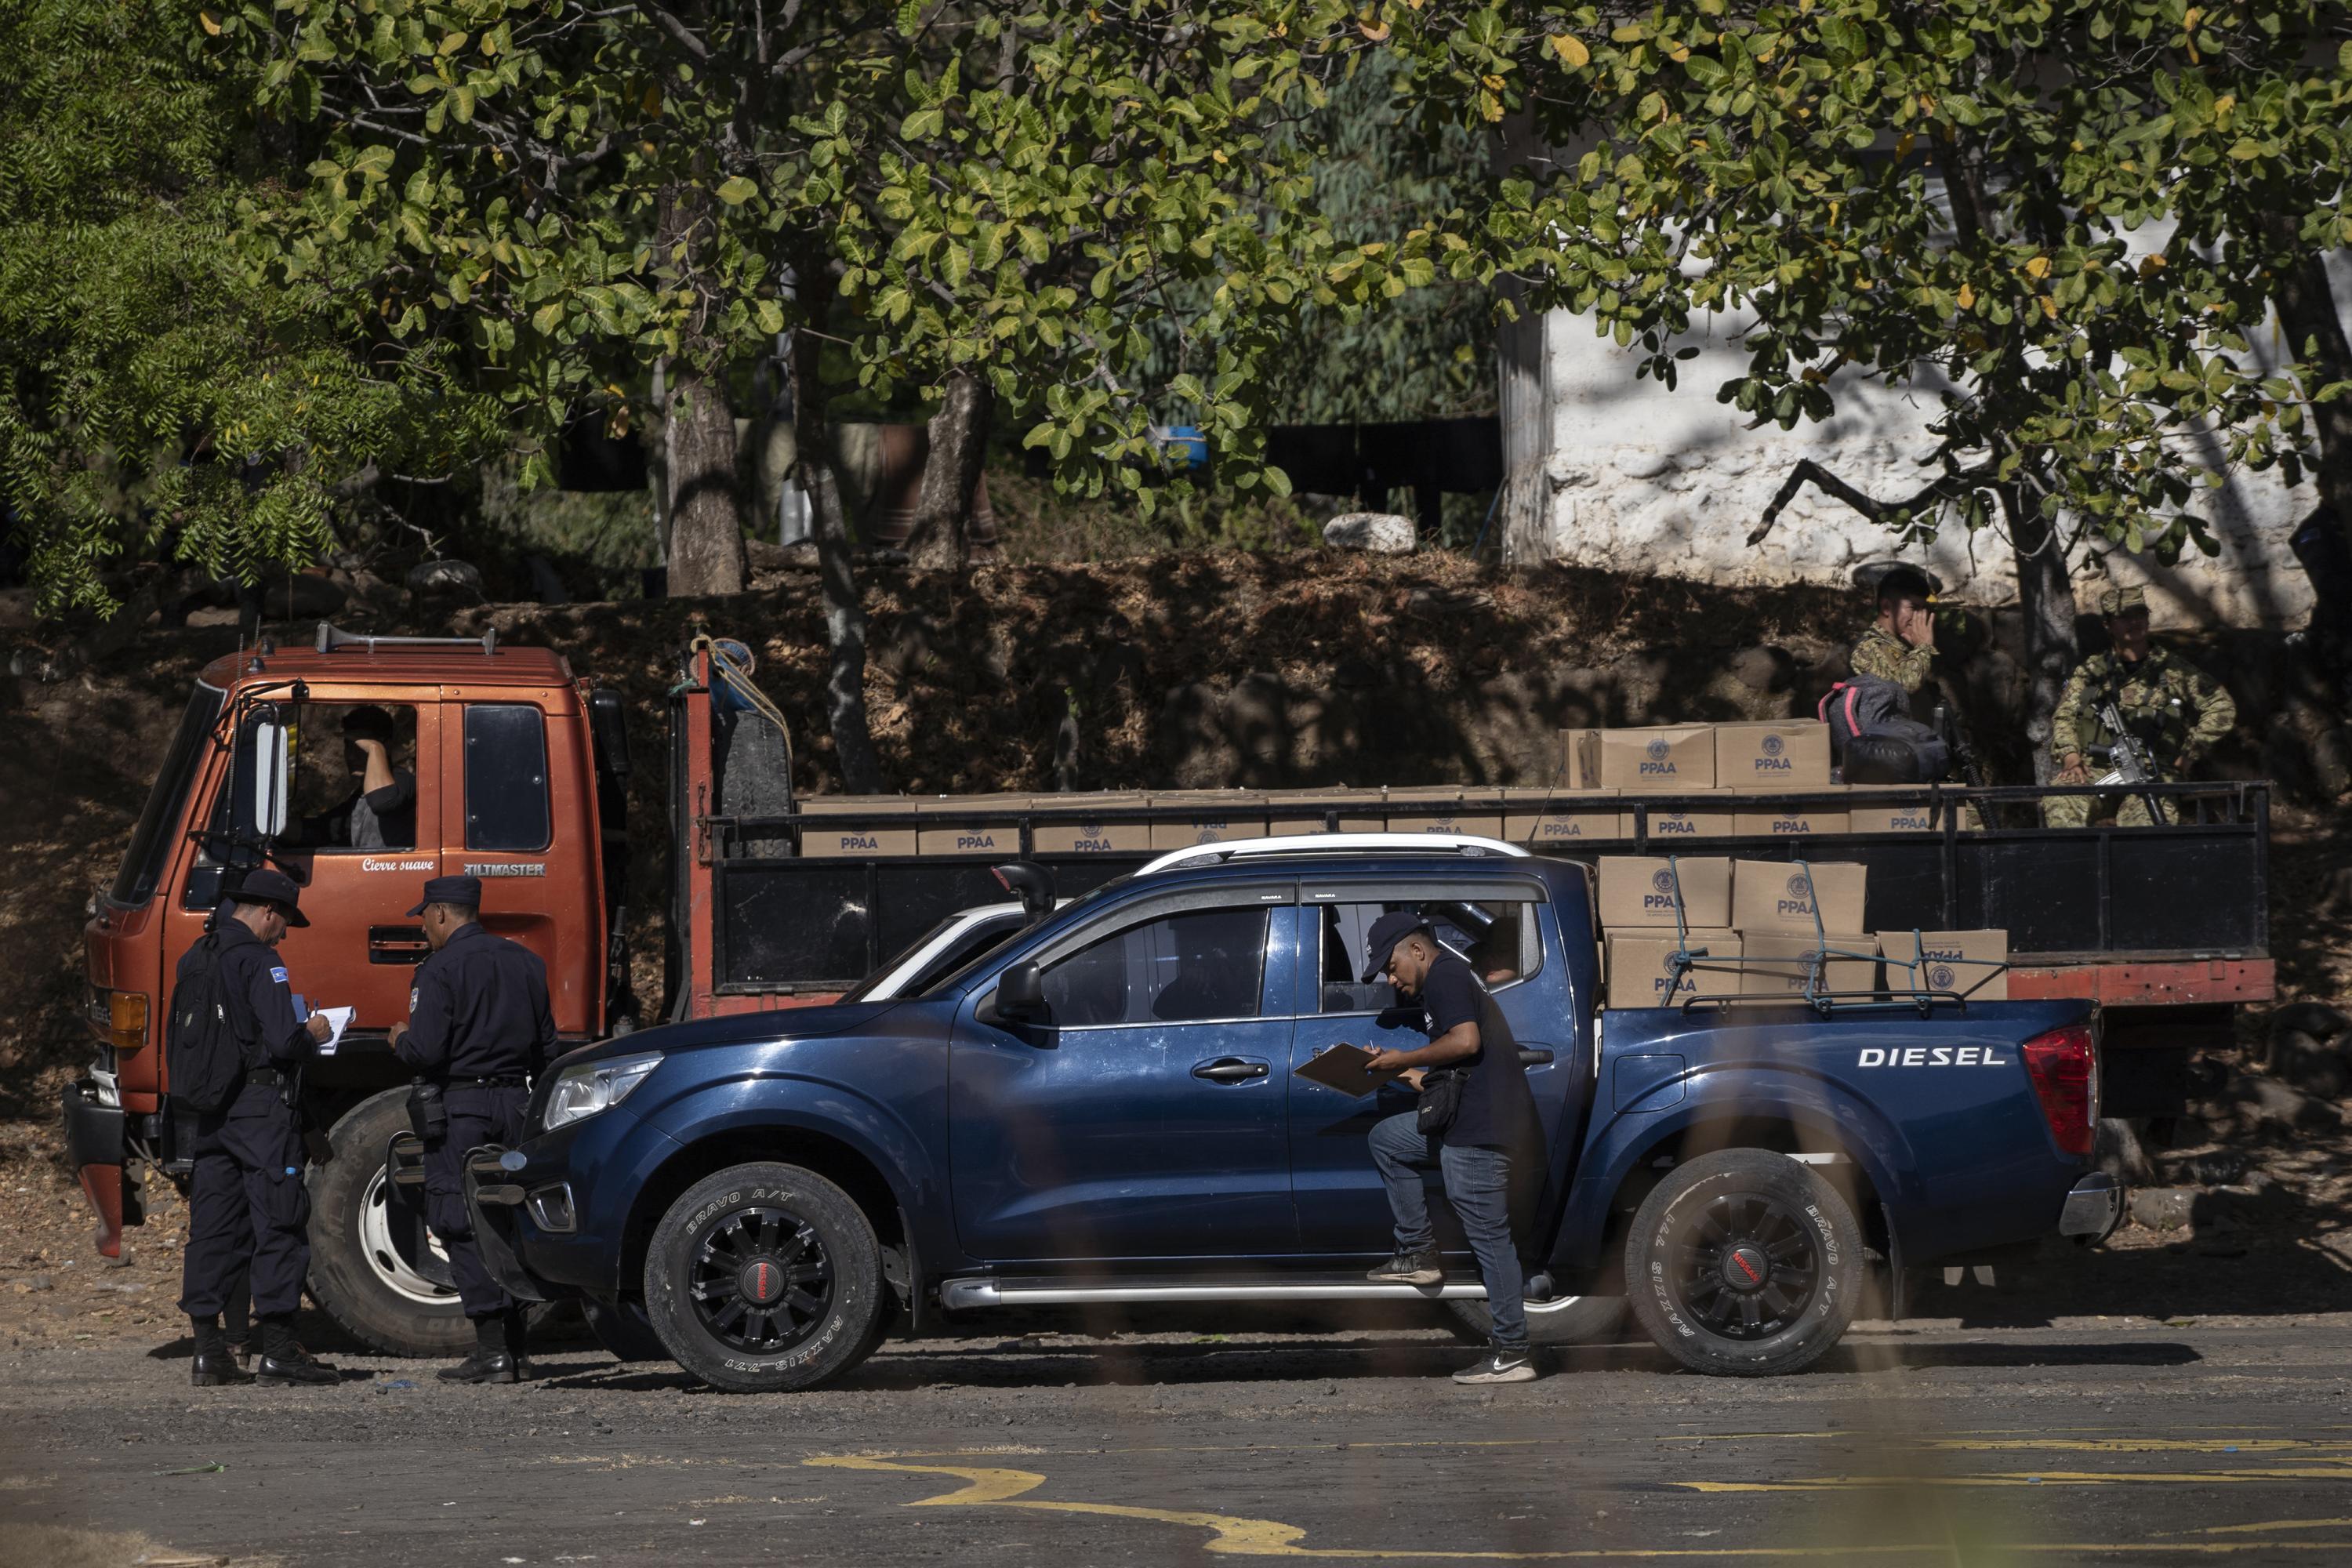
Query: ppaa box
x=1787, y=895
x=992, y=824
x=1673, y=759
x=1635, y=961
x=1792, y=754
x=1780, y=964
x=1967, y=961
x=1546, y=816
x=851, y=827
x=1645, y=890
x=1210, y=816
x=1092, y=835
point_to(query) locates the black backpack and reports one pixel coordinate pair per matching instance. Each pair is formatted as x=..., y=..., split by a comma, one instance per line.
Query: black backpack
x=201, y=1050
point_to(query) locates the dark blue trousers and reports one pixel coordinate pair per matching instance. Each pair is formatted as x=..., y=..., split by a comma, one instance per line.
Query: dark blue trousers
x=248, y=1210
x=477, y=1116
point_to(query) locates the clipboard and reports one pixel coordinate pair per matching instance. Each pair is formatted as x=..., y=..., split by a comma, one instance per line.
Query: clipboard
x=1343, y=1068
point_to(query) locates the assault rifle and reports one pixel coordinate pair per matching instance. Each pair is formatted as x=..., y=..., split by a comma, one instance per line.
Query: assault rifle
x=2128, y=760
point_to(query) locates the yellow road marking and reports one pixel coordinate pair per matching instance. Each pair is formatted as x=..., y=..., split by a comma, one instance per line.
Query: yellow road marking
x=1236, y=1535
x=2271, y=1524
x=2022, y=1479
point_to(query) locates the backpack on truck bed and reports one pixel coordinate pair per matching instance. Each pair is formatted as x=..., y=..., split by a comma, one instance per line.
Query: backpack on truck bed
x=201, y=1050
x=1870, y=706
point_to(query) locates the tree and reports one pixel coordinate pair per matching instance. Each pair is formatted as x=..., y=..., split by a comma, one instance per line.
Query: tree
x=1939, y=198
x=155, y=402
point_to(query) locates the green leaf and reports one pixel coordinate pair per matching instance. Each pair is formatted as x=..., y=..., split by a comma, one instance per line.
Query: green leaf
x=738, y=189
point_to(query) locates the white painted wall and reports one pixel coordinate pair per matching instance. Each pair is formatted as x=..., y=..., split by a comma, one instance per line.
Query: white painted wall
x=1644, y=480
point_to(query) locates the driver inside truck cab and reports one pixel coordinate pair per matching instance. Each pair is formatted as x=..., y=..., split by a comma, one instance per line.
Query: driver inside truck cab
x=377, y=809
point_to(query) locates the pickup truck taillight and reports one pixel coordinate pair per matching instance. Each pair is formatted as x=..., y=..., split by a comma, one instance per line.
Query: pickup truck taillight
x=2064, y=1066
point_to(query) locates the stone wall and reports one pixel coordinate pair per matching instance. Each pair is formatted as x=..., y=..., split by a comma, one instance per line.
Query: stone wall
x=1641, y=478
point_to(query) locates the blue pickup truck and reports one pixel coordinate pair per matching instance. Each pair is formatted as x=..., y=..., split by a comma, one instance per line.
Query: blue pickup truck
x=1104, y=1106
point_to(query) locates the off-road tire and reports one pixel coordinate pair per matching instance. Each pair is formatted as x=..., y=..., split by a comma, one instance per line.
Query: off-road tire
x=725, y=1224
x=1569, y=1321
x=1689, y=1234
x=353, y=1289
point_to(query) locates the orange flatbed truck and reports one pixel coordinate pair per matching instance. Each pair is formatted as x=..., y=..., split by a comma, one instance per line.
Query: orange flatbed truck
x=521, y=774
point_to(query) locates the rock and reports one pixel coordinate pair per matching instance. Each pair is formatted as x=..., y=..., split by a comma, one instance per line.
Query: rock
x=1641, y=465
x=36, y=1282
x=2318, y=1019
x=2267, y=1099
x=1437, y=601
x=1379, y=532
x=2163, y=1208
x=304, y=595
x=2297, y=1058
x=453, y=577
x=766, y=556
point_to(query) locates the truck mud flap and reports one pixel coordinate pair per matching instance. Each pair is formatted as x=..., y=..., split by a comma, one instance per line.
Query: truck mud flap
x=94, y=1150
x=493, y=1202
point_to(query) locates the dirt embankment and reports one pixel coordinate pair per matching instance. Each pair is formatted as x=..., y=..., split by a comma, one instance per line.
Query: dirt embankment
x=1263, y=670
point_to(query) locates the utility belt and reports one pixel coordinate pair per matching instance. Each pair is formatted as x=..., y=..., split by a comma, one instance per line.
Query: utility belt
x=499, y=1080
x=428, y=1113
x=265, y=1078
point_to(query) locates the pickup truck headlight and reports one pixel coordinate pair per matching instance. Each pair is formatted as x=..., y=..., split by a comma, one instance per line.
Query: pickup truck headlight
x=596, y=1086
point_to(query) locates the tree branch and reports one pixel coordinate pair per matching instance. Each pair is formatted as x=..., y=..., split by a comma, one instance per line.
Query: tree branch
x=1807, y=472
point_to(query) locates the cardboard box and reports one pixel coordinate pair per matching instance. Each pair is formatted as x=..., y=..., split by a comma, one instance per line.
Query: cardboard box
x=1675, y=760
x=1782, y=895
x=1641, y=891
x=1081, y=837
x=1211, y=816
x=1789, y=753
x=1542, y=816
x=1778, y=963
x=853, y=827
x=1790, y=822
x=1302, y=811
x=1634, y=967
x=1000, y=837
x=1444, y=808
x=1961, y=961
x=1579, y=760
x=1696, y=823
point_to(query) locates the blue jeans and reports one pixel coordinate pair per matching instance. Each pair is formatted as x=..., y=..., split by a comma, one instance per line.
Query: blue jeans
x=1478, y=1183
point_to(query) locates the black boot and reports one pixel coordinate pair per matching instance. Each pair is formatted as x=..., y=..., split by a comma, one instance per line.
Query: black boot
x=284, y=1363
x=237, y=1324
x=517, y=1339
x=214, y=1366
x=491, y=1361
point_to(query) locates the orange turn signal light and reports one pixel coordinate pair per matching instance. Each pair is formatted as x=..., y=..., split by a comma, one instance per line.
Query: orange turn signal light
x=127, y=1020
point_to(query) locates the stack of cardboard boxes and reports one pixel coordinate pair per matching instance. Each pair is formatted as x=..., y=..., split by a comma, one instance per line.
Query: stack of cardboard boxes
x=1763, y=926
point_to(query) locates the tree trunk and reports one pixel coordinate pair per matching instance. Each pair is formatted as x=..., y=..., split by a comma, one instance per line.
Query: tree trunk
x=2045, y=592
x=706, y=504
x=706, y=517
x=2315, y=334
x=845, y=611
x=942, y=539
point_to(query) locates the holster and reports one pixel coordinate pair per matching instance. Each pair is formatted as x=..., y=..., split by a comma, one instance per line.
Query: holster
x=427, y=1116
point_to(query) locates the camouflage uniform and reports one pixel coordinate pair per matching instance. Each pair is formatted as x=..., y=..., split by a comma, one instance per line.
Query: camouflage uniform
x=1883, y=654
x=2178, y=709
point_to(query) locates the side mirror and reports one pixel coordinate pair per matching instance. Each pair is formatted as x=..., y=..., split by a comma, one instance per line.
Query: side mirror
x=1021, y=991
x=261, y=776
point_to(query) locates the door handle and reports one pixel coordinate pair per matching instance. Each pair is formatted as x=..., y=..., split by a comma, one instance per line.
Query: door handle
x=1231, y=1069
x=397, y=944
x=1534, y=1058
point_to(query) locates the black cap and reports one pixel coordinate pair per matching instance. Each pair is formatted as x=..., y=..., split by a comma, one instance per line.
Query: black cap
x=1387, y=931
x=262, y=885
x=466, y=890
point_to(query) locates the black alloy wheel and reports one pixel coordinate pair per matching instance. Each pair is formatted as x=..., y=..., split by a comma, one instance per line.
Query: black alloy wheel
x=765, y=1278
x=1744, y=1262
x=1747, y=1268
x=762, y=1280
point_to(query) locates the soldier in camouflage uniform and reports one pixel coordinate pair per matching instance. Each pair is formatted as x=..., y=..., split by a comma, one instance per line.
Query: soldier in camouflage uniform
x=2175, y=708
x=1901, y=645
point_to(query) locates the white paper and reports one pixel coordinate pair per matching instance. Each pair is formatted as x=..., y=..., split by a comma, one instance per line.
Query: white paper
x=337, y=1019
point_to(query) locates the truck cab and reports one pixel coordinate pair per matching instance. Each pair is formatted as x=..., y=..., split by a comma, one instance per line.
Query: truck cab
x=506, y=775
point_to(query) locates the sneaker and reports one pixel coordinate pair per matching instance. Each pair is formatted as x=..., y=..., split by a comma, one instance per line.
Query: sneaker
x=1410, y=1268
x=1500, y=1365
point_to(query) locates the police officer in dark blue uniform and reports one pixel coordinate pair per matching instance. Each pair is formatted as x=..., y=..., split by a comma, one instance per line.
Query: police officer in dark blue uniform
x=247, y=1206
x=479, y=1028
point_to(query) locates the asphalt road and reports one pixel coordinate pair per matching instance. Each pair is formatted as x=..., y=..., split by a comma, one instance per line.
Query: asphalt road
x=2091, y=1441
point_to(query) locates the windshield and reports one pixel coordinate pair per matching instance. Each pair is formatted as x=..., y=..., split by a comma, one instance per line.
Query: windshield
x=981, y=937
x=1075, y=908
x=143, y=863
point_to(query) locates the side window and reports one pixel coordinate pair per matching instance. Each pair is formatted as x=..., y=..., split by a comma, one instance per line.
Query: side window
x=1181, y=968
x=1500, y=938
x=355, y=784
x=505, y=777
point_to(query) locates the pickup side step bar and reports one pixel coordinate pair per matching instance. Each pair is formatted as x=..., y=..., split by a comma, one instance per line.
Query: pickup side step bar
x=963, y=1295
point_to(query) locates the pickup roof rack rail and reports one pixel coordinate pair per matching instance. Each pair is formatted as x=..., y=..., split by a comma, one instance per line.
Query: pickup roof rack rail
x=1461, y=844
x=331, y=638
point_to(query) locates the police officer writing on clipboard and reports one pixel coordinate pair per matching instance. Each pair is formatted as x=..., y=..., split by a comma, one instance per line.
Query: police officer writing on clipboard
x=1491, y=1137
x=479, y=1029
x=247, y=1206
